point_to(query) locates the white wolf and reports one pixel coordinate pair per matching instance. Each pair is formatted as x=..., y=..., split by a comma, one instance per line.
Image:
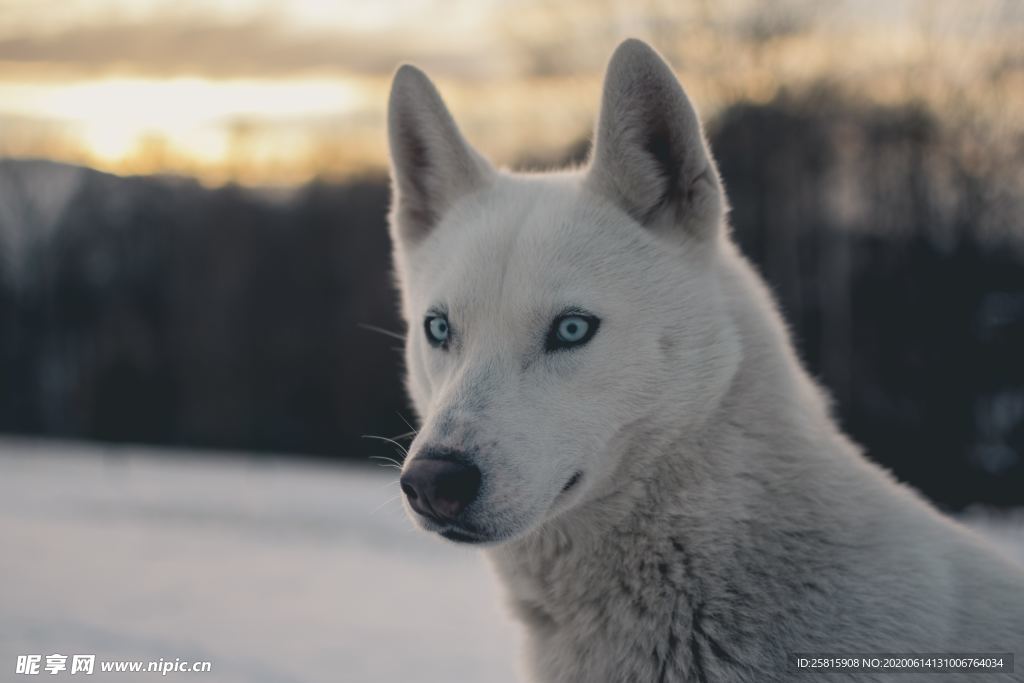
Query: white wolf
x=610, y=405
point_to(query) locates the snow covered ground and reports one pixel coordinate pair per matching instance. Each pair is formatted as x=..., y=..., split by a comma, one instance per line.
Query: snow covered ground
x=274, y=571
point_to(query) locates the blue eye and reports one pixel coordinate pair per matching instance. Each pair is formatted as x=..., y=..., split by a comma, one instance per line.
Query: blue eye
x=437, y=329
x=572, y=329
x=569, y=330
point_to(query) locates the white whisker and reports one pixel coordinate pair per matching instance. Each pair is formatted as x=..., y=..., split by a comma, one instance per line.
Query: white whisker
x=407, y=423
x=381, y=330
x=390, y=483
x=391, y=441
x=391, y=462
x=389, y=500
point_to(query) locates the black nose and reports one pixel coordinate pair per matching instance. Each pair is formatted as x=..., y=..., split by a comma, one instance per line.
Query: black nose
x=440, y=487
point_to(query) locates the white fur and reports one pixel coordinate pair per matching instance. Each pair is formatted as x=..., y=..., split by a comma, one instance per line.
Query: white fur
x=722, y=520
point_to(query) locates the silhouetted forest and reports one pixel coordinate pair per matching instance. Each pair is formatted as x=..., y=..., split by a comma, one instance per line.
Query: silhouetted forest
x=153, y=310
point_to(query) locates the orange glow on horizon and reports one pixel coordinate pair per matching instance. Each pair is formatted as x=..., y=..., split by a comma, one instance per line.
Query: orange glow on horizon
x=277, y=92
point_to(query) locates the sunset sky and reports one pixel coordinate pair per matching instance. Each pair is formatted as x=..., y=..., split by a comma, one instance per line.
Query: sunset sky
x=273, y=92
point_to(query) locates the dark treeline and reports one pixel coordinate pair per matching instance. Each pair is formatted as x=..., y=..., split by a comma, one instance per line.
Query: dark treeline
x=162, y=312
x=154, y=310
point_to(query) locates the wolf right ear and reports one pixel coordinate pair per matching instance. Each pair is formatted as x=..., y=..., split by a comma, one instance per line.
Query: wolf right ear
x=649, y=155
x=432, y=165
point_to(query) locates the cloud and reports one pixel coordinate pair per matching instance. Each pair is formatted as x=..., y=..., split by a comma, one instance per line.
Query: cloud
x=254, y=47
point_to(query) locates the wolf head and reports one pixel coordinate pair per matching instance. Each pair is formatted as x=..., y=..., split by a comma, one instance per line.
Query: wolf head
x=553, y=319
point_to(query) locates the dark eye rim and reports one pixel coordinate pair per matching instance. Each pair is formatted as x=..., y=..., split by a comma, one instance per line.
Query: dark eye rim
x=431, y=339
x=553, y=343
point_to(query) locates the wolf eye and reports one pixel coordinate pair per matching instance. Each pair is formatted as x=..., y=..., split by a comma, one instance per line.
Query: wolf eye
x=571, y=329
x=437, y=329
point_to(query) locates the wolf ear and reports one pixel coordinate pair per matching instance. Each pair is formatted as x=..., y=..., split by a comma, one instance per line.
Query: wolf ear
x=649, y=154
x=432, y=165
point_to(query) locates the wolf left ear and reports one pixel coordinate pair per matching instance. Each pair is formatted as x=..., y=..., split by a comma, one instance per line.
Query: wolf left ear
x=432, y=165
x=650, y=156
